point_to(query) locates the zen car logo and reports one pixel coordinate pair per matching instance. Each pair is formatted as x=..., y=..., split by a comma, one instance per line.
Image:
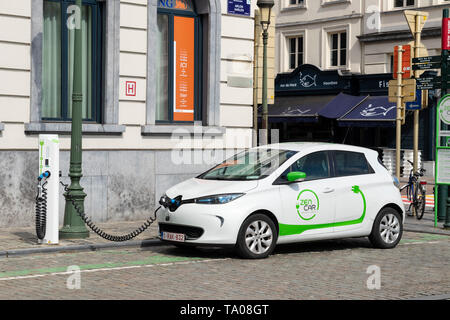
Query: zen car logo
x=307, y=204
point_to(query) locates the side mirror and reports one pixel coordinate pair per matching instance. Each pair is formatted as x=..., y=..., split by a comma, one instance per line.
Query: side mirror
x=296, y=176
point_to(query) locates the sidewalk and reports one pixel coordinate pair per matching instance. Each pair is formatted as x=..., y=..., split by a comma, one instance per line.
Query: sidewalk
x=21, y=241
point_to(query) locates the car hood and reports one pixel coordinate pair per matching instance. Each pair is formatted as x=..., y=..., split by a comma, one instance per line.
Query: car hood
x=195, y=188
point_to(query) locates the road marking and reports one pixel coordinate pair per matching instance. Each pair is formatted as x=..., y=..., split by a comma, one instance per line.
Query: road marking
x=111, y=269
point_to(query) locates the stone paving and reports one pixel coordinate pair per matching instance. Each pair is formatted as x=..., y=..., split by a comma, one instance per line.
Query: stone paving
x=418, y=267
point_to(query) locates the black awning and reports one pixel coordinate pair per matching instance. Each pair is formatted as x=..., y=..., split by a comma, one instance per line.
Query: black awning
x=297, y=108
x=374, y=111
x=341, y=105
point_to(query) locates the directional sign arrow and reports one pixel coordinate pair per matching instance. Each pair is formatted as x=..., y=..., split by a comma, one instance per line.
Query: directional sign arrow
x=426, y=66
x=430, y=59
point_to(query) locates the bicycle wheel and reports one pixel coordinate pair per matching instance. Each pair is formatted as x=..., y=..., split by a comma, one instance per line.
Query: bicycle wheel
x=419, y=201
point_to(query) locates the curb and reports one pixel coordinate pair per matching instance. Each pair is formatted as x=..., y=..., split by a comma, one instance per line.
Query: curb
x=83, y=247
x=425, y=231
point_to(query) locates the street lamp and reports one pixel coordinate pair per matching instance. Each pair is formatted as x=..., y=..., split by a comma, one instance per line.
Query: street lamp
x=74, y=226
x=265, y=9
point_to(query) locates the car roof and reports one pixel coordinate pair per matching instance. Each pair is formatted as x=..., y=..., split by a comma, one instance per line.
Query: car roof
x=305, y=146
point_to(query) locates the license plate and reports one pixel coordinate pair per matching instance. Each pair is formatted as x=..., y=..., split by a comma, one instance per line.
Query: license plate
x=178, y=237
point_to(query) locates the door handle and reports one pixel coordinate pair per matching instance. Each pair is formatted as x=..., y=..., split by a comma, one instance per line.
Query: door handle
x=328, y=190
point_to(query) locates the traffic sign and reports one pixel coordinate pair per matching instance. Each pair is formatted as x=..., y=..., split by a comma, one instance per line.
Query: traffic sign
x=446, y=34
x=410, y=16
x=417, y=104
x=430, y=59
x=407, y=90
x=406, y=62
x=429, y=83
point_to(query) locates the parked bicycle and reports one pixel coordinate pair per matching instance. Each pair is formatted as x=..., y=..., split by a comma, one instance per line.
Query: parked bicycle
x=416, y=192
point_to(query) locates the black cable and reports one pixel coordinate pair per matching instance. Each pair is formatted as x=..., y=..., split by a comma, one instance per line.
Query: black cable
x=41, y=212
x=102, y=233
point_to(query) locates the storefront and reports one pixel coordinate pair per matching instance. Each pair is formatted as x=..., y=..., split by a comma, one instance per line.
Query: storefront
x=315, y=105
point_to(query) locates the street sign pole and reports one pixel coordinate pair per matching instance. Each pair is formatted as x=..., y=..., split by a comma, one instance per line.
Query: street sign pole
x=441, y=191
x=417, y=39
x=399, y=111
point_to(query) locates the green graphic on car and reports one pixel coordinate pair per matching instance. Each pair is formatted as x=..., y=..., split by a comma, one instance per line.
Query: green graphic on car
x=287, y=230
x=307, y=204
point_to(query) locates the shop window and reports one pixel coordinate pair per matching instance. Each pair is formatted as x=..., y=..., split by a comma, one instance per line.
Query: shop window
x=178, y=70
x=58, y=56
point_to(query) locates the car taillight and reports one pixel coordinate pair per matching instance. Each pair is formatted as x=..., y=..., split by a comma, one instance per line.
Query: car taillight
x=424, y=183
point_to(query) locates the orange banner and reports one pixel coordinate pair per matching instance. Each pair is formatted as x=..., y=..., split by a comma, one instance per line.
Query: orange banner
x=184, y=67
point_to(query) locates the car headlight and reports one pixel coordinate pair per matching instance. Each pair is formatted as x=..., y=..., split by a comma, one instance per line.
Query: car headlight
x=219, y=198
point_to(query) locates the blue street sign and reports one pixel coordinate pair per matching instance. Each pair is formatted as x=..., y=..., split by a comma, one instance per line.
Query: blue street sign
x=241, y=7
x=416, y=105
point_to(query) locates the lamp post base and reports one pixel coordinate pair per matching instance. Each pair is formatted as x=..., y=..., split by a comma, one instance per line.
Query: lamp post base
x=70, y=232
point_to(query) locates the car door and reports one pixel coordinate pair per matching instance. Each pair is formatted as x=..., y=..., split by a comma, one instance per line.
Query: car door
x=355, y=181
x=308, y=206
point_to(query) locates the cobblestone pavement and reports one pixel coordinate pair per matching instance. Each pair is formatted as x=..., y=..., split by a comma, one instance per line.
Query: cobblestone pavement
x=419, y=266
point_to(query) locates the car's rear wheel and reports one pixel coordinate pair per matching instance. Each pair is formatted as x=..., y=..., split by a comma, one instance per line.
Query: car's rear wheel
x=257, y=237
x=387, y=229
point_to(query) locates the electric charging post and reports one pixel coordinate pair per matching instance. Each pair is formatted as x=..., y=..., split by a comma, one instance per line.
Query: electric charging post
x=74, y=227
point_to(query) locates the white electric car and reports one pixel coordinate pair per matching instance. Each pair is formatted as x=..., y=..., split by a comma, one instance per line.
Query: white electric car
x=289, y=192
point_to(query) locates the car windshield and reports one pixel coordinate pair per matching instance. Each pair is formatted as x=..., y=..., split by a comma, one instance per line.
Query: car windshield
x=252, y=164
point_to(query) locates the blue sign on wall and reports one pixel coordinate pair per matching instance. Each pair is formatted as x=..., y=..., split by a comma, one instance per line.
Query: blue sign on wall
x=241, y=7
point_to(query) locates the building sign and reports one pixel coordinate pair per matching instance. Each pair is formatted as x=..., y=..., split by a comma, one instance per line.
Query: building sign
x=184, y=68
x=443, y=166
x=308, y=78
x=175, y=4
x=444, y=110
x=446, y=34
x=241, y=7
x=130, y=88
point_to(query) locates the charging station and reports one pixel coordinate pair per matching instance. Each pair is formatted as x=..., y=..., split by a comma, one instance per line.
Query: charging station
x=49, y=182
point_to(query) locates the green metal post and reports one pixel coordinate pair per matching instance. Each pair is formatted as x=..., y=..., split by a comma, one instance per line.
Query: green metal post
x=74, y=227
x=443, y=189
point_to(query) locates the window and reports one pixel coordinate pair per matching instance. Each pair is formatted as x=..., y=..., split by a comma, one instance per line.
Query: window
x=403, y=3
x=338, y=45
x=351, y=164
x=249, y=165
x=58, y=56
x=296, y=52
x=296, y=2
x=315, y=165
x=177, y=62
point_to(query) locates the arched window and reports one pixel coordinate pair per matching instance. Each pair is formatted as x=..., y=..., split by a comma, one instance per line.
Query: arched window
x=178, y=67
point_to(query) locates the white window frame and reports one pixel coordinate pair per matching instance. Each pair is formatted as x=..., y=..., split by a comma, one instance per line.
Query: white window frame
x=296, y=52
x=285, y=36
x=404, y=4
x=339, y=65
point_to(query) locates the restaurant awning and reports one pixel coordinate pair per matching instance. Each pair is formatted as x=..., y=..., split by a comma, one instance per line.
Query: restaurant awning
x=341, y=105
x=297, y=108
x=372, y=112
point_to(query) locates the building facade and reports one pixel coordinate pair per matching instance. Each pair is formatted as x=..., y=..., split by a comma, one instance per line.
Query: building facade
x=355, y=38
x=161, y=79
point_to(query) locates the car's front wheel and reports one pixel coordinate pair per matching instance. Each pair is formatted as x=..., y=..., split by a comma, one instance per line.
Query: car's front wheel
x=387, y=229
x=257, y=237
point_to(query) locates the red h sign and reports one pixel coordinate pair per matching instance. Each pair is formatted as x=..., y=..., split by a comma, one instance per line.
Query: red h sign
x=130, y=88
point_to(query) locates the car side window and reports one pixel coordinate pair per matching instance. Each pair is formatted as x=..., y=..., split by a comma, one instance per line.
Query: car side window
x=351, y=163
x=315, y=165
